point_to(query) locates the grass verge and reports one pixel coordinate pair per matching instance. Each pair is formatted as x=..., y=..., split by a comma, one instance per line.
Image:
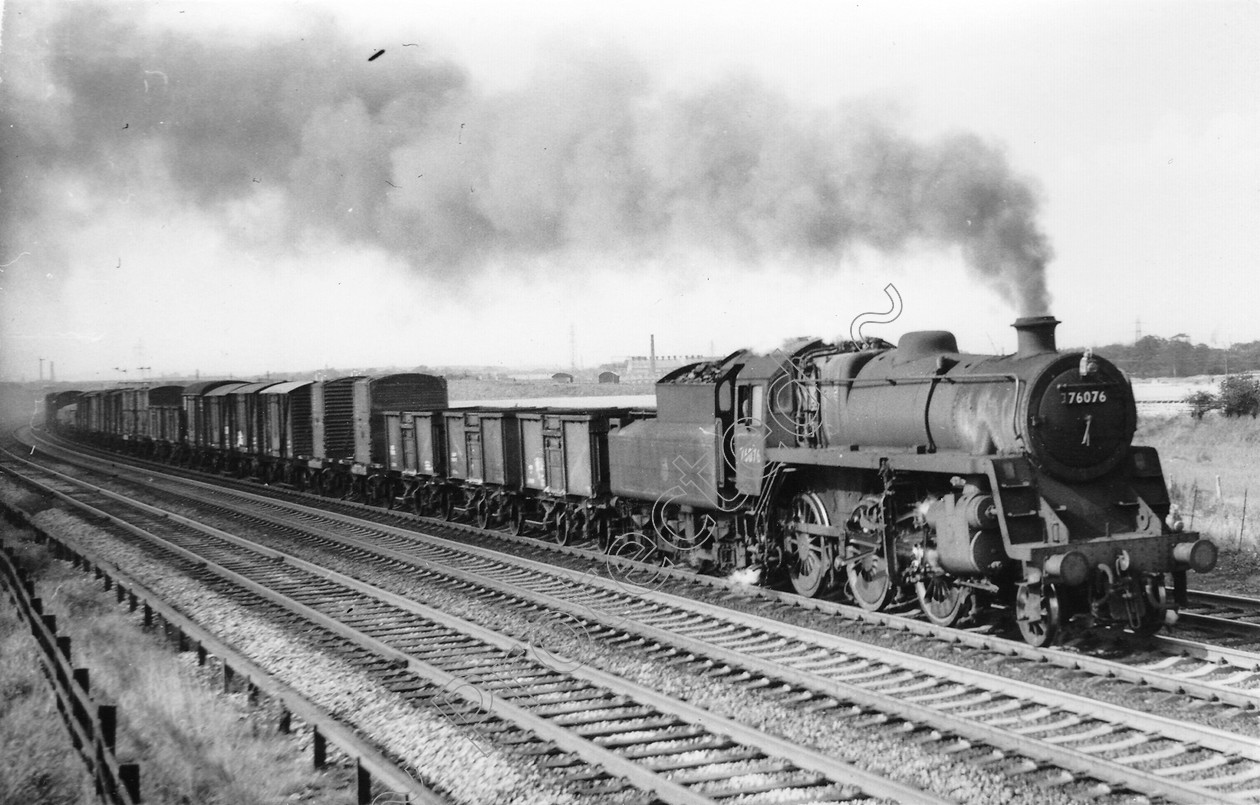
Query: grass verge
x=193, y=742
x=1213, y=473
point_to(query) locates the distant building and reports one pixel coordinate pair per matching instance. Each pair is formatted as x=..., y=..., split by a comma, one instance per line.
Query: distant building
x=640, y=367
x=534, y=377
x=562, y=377
x=609, y=377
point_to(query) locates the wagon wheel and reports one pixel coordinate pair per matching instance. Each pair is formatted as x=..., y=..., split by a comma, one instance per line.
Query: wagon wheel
x=603, y=533
x=640, y=548
x=351, y=488
x=481, y=513
x=446, y=506
x=944, y=602
x=868, y=578
x=516, y=518
x=809, y=554
x=407, y=501
x=428, y=500
x=337, y=485
x=564, y=530
x=590, y=527
x=1037, y=613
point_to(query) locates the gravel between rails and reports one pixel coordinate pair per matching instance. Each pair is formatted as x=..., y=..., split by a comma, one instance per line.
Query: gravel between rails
x=959, y=774
x=852, y=737
x=452, y=758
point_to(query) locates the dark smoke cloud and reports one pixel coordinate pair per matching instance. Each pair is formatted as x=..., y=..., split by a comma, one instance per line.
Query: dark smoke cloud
x=404, y=153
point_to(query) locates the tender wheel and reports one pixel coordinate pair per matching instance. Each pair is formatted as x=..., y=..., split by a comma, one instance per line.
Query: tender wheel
x=482, y=510
x=809, y=556
x=1156, y=607
x=944, y=602
x=869, y=580
x=1037, y=613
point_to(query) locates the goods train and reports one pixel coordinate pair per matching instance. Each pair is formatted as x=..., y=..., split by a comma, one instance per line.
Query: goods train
x=1001, y=484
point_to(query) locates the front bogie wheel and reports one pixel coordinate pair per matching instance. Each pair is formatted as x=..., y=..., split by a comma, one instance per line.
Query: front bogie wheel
x=1037, y=613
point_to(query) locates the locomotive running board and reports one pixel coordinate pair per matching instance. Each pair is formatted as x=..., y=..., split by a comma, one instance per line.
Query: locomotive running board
x=871, y=460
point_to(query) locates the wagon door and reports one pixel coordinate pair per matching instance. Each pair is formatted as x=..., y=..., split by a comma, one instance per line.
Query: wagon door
x=395, y=452
x=456, y=446
x=492, y=463
x=533, y=458
x=577, y=446
x=407, y=436
x=553, y=448
x=473, y=452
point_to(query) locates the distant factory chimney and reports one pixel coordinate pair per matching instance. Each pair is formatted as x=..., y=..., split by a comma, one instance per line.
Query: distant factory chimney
x=52, y=371
x=1035, y=335
x=652, y=356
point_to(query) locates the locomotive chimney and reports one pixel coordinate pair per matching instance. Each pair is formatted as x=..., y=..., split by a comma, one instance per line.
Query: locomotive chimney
x=1036, y=335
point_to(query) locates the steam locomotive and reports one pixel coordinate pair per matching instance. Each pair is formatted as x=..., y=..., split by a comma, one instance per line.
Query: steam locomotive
x=881, y=475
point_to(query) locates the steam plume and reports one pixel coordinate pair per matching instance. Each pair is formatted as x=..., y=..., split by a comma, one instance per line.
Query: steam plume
x=406, y=154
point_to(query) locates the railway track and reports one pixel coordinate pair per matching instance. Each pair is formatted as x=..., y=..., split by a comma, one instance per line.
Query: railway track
x=604, y=726
x=1226, y=628
x=818, y=667
x=1223, y=612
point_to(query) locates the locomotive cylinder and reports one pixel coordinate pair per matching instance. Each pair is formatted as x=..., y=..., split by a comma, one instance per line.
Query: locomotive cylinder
x=976, y=553
x=967, y=540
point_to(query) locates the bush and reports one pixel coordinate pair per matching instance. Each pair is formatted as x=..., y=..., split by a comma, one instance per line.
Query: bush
x=1201, y=402
x=1240, y=396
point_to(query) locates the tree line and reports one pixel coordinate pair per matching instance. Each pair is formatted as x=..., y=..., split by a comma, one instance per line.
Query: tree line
x=1239, y=396
x=1153, y=356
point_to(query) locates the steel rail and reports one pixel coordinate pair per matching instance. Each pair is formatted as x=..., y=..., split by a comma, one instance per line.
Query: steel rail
x=1079, y=762
x=1225, y=600
x=802, y=757
x=367, y=756
x=1156, y=677
x=1160, y=678
x=1087, y=764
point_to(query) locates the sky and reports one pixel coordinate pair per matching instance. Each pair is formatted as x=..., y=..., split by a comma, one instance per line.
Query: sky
x=244, y=188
